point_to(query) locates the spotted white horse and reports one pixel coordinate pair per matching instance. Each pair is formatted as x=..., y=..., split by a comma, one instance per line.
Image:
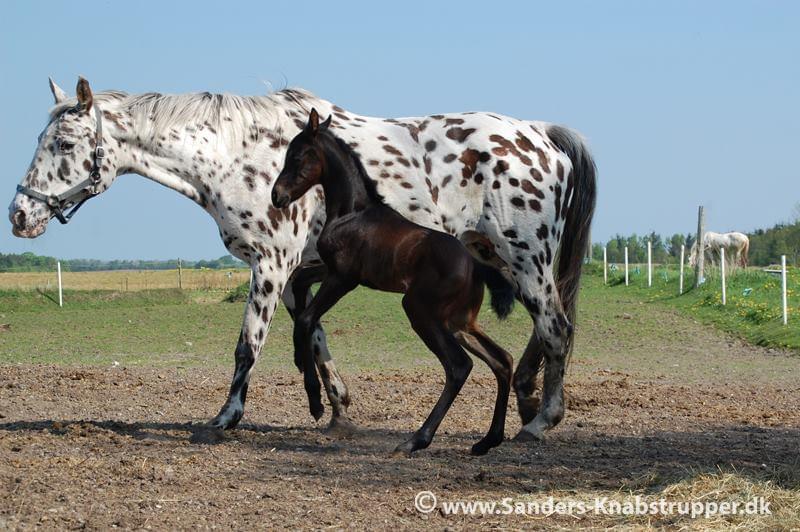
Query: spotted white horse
x=520, y=194
x=736, y=246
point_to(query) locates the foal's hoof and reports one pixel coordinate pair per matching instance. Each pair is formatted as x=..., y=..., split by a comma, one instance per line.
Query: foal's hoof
x=404, y=450
x=483, y=446
x=317, y=409
x=207, y=435
x=525, y=436
x=341, y=427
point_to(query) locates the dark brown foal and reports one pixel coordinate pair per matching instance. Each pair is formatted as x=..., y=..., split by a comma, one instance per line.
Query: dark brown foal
x=365, y=242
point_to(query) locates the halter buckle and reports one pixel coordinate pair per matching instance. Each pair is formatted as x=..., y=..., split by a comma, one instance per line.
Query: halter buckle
x=100, y=152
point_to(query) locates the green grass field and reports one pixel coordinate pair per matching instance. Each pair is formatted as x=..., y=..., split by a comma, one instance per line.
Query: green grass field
x=752, y=310
x=367, y=329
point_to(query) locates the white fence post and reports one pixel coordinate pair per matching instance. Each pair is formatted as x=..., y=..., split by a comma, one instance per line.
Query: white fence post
x=60, y=292
x=722, y=272
x=783, y=287
x=680, y=280
x=626, y=265
x=649, y=264
x=605, y=265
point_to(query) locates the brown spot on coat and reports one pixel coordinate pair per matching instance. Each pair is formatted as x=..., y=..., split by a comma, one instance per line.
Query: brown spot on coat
x=459, y=134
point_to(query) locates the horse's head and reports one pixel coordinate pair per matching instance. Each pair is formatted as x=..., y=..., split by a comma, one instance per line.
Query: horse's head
x=68, y=167
x=304, y=164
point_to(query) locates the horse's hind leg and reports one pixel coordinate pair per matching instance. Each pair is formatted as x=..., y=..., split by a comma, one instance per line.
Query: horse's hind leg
x=553, y=330
x=501, y=364
x=457, y=366
x=525, y=379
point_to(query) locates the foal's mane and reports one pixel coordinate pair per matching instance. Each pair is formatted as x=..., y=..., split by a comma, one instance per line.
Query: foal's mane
x=349, y=152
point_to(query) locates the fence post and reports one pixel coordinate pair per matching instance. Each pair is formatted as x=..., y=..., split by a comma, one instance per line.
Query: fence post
x=605, y=265
x=722, y=272
x=649, y=264
x=783, y=287
x=680, y=280
x=180, y=275
x=60, y=291
x=701, y=252
x=626, y=265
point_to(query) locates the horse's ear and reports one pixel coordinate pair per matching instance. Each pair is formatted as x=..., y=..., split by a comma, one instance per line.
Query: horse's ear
x=326, y=124
x=84, y=93
x=58, y=94
x=313, y=122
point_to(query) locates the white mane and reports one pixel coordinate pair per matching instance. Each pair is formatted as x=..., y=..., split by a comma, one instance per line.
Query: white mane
x=230, y=115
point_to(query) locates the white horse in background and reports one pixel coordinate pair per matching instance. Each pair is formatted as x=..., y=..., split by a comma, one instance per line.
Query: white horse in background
x=735, y=244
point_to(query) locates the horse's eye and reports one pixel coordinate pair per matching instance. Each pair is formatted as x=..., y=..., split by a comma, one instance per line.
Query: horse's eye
x=65, y=146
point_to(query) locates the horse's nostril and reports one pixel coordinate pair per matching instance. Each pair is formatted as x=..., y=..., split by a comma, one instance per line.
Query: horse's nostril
x=19, y=218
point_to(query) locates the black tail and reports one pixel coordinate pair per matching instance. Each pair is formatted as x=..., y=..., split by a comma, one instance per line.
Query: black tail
x=578, y=219
x=500, y=289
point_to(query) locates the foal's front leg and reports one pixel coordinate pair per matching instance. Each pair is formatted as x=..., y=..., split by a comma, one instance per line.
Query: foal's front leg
x=333, y=288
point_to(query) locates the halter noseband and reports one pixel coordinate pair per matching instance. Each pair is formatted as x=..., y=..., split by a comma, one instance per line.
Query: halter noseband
x=78, y=195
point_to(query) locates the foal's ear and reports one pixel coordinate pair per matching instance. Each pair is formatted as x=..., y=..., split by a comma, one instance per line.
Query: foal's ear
x=326, y=124
x=84, y=93
x=313, y=122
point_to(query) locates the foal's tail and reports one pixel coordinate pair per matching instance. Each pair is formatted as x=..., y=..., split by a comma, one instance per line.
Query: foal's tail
x=500, y=289
x=577, y=220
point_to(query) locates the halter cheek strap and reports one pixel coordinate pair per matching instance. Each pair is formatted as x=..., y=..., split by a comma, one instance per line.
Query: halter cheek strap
x=77, y=195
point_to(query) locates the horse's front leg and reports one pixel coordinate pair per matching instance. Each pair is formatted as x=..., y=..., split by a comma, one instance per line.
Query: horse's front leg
x=296, y=296
x=262, y=301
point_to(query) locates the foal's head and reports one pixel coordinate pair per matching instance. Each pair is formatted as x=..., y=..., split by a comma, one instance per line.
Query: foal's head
x=304, y=165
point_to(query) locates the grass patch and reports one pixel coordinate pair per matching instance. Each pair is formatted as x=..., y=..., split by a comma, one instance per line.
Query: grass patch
x=752, y=310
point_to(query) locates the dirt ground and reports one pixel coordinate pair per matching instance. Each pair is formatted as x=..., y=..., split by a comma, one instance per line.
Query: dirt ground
x=88, y=447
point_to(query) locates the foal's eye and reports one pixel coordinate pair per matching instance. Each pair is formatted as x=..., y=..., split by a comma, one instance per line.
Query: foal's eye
x=65, y=146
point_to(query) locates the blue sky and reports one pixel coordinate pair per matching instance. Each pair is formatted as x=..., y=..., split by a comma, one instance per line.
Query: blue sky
x=683, y=102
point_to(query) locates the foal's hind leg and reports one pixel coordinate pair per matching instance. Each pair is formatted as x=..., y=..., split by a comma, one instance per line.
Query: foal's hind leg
x=500, y=362
x=457, y=366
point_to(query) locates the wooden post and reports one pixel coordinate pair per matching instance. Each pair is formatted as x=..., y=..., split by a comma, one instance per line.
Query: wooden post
x=701, y=252
x=605, y=265
x=783, y=287
x=60, y=291
x=626, y=265
x=180, y=275
x=126, y=284
x=589, y=246
x=649, y=264
x=722, y=272
x=680, y=280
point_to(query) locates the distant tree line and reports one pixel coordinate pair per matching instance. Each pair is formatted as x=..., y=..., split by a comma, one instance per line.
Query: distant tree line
x=766, y=246
x=30, y=262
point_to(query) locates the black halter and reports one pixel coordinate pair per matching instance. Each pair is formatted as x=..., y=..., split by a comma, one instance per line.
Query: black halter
x=78, y=195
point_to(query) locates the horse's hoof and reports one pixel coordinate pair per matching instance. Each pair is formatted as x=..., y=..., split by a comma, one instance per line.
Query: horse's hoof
x=525, y=436
x=528, y=408
x=341, y=427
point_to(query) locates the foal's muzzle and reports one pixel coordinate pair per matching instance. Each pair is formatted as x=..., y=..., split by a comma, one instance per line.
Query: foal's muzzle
x=280, y=199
